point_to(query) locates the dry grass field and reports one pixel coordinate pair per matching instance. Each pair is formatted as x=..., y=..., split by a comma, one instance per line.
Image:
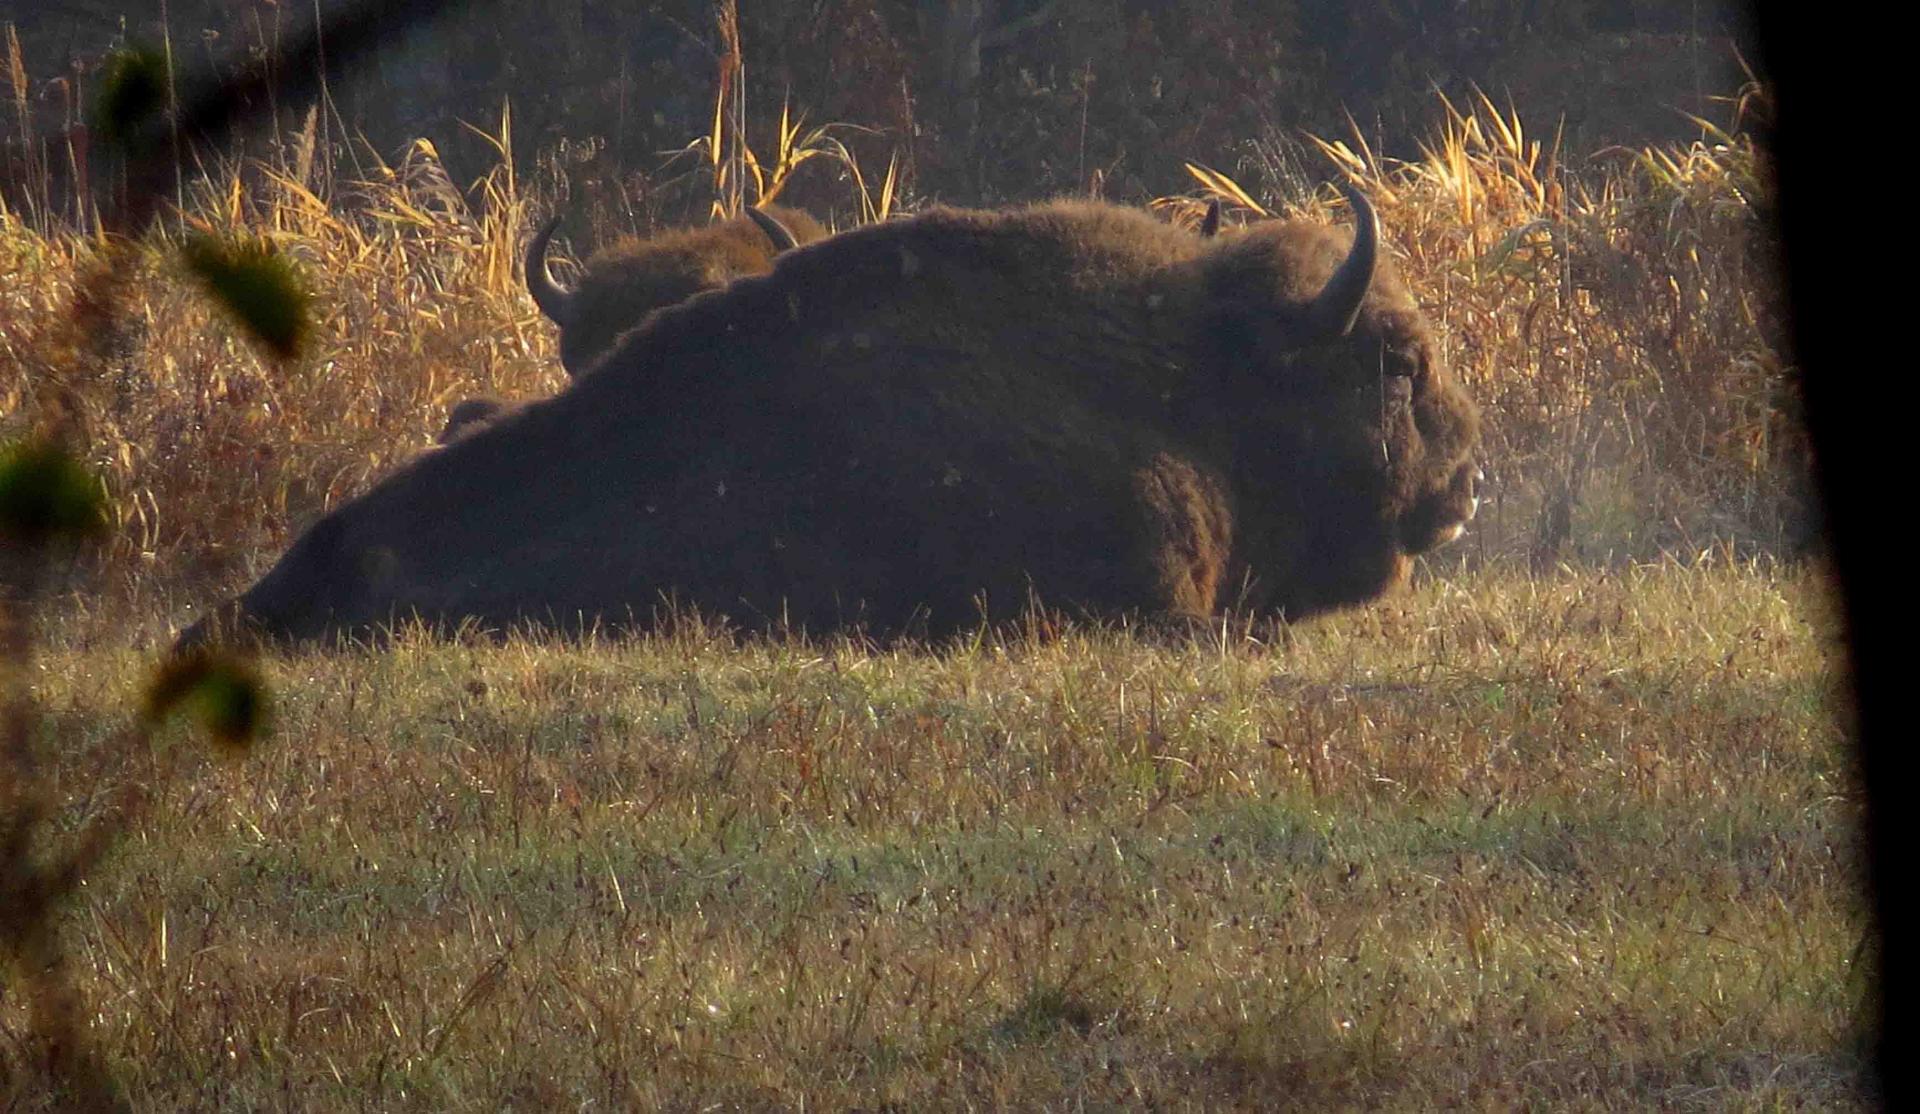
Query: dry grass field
x=1570, y=824
x=1503, y=841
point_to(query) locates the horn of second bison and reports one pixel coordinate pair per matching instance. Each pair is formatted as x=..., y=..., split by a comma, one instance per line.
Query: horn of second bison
x=547, y=294
x=782, y=239
x=1337, y=306
x=1210, y=224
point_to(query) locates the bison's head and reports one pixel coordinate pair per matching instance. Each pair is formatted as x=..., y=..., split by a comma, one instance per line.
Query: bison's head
x=299, y=597
x=421, y=537
x=1343, y=409
x=626, y=281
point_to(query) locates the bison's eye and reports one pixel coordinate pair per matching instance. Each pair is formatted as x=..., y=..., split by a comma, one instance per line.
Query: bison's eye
x=1402, y=362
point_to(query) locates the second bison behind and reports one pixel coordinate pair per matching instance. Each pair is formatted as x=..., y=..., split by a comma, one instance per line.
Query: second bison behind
x=916, y=425
x=634, y=276
x=630, y=278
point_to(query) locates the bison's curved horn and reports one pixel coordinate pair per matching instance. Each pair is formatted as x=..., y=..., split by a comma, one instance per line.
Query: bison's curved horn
x=1337, y=306
x=552, y=298
x=1210, y=224
x=782, y=239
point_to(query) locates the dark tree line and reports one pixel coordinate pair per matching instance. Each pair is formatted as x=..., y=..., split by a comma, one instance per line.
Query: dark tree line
x=983, y=99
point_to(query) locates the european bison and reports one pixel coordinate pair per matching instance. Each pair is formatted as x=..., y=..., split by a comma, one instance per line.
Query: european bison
x=918, y=425
x=632, y=277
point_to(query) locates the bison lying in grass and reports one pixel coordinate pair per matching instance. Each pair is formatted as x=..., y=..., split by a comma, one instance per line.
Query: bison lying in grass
x=626, y=280
x=917, y=425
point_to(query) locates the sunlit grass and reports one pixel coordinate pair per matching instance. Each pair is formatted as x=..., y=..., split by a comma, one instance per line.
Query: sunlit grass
x=732, y=164
x=1502, y=840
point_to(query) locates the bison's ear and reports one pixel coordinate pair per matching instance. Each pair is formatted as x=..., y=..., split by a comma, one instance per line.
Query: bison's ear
x=1405, y=361
x=1337, y=306
x=782, y=239
x=1210, y=224
x=469, y=414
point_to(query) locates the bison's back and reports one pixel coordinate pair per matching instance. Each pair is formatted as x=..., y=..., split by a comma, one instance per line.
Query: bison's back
x=905, y=513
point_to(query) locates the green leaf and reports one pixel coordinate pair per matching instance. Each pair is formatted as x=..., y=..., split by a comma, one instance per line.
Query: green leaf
x=221, y=693
x=258, y=286
x=132, y=92
x=46, y=496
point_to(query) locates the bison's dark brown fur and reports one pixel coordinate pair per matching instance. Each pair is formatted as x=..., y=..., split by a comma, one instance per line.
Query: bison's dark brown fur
x=625, y=281
x=917, y=425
